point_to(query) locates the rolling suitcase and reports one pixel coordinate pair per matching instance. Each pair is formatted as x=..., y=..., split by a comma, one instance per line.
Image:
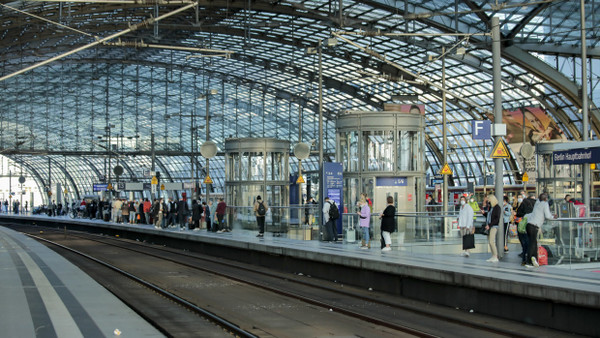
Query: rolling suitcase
x=351, y=233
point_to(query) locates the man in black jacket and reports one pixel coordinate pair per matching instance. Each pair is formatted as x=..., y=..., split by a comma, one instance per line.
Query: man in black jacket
x=182, y=214
x=525, y=207
x=172, y=215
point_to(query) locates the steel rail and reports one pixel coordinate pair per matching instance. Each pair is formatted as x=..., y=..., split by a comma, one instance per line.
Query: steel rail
x=207, y=314
x=304, y=298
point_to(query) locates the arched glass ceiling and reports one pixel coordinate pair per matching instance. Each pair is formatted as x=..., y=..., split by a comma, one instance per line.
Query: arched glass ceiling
x=269, y=83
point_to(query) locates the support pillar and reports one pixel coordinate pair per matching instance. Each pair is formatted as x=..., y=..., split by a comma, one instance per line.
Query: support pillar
x=498, y=162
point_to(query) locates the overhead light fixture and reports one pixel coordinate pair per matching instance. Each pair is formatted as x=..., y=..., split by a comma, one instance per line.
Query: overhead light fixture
x=330, y=42
x=461, y=51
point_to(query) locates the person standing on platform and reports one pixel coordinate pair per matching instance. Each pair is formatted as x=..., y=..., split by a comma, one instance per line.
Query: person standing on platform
x=140, y=211
x=312, y=205
x=196, y=214
x=474, y=205
x=368, y=200
x=506, y=213
x=364, y=215
x=132, y=213
x=157, y=212
x=485, y=209
x=330, y=215
x=116, y=212
x=465, y=222
x=182, y=213
x=327, y=231
x=492, y=226
x=388, y=224
x=260, y=210
x=172, y=213
x=147, y=207
x=221, y=208
x=535, y=220
x=524, y=207
x=100, y=209
x=206, y=208
x=125, y=211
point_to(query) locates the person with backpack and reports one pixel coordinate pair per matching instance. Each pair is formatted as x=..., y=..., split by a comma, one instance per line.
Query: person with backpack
x=331, y=213
x=260, y=209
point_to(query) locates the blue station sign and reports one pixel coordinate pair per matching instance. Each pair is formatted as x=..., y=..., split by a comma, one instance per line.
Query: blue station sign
x=391, y=182
x=100, y=187
x=576, y=156
x=481, y=129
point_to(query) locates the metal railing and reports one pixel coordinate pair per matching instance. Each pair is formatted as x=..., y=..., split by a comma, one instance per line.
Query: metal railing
x=572, y=240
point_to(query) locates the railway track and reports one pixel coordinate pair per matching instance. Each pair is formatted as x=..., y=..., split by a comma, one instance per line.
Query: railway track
x=400, y=315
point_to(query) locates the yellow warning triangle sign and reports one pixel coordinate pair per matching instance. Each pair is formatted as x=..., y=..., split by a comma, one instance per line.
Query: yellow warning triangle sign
x=300, y=180
x=208, y=180
x=500, y=150
x=446, y=170
x=525, y=177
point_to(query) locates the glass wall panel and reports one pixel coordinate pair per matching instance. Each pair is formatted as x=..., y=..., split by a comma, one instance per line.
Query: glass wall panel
x=409, y=155
x=257, y=166
x=244, y=165
x=378, y=150
x=275, y=166
x=233, y=167
x=352, y=189
x=404, y=150
x=349, y=149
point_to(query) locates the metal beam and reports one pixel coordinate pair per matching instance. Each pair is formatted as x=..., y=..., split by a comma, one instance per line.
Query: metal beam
x=479, y=12
x=557, y=50
x=527, y=19
x=551, y=76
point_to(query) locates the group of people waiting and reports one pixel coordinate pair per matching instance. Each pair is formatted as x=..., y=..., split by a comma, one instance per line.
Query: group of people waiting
x=16, y=206
x=510, y=214
x=387, y=216
x=160, y=213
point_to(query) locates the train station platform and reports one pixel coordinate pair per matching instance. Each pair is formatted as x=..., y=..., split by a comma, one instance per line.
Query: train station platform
x=563, y=297
x=43, y=295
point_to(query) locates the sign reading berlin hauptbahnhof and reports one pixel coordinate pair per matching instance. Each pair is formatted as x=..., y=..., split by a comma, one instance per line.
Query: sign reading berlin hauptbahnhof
x=576, y=156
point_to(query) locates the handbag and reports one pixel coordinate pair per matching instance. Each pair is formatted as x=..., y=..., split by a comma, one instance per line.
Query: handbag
x=523, y=225
x=468, y=241
x=512, y=230
x=542, y=255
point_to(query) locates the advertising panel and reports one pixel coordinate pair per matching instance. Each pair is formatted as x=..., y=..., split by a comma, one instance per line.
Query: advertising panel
x=529, y=125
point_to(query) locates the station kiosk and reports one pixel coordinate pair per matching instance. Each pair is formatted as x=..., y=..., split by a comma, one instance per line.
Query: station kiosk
x=257, y=166
x=382, y=154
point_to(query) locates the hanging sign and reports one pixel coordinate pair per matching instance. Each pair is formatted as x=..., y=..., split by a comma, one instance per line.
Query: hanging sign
x=162, y=187
x=525, y=177
x=208, y=180
x=300, y=179
x=391, y=182
x=481, y=129
x=500, y=150
x=446, y=170
x=576, y=156
x=154, y=180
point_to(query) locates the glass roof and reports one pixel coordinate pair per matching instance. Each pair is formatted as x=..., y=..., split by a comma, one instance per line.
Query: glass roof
x=252, y=60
